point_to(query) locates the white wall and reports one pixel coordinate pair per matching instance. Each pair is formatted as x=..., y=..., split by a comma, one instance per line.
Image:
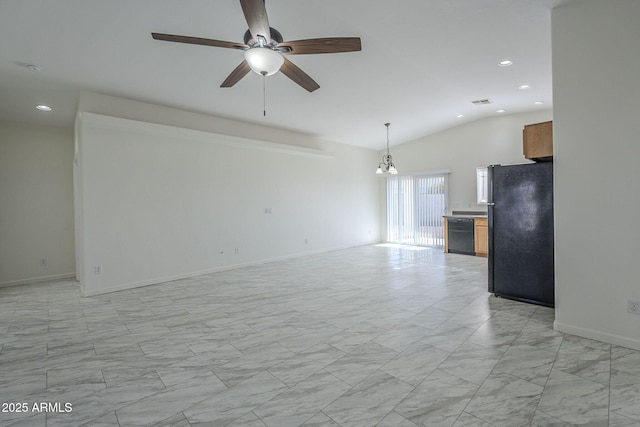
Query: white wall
x=596, y=69
x=36, y=203
x=160, y=202
x=141, y=111
x=495, y=140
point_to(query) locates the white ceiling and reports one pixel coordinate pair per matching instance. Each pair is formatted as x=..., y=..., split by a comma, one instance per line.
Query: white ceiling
x=422, y=62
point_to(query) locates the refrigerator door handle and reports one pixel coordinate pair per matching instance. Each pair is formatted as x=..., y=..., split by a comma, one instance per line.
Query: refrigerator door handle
x=490, y=170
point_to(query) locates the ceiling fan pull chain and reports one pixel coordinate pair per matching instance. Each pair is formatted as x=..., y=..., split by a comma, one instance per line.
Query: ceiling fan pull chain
x=264, y=94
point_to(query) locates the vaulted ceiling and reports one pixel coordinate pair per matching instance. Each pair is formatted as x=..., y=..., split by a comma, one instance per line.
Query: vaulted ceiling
x=422, y=62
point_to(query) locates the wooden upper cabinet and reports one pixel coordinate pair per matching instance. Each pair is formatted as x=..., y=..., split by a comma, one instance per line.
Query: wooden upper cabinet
x=537, y=141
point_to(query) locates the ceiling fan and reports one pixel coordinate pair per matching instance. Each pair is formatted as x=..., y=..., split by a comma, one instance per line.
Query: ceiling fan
x=264, y=49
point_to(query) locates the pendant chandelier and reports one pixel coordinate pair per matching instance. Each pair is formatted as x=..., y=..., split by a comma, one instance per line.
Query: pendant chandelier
x=387, y=162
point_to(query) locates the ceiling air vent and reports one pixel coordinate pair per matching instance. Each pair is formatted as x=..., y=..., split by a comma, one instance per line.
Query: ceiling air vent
x=481, y=102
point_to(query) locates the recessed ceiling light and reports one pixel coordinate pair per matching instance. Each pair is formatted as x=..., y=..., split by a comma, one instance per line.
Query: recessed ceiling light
x=538, y=102
x=43, y=107
x=459, y=116
x=524, y=87
x=505, y=63
x=501, y=111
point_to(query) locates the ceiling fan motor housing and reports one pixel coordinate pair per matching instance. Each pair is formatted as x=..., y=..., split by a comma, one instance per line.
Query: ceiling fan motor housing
x=276, y=38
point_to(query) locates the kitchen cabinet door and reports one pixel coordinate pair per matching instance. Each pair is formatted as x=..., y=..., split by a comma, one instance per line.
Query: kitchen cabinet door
x=481, y=236
x=537, y=141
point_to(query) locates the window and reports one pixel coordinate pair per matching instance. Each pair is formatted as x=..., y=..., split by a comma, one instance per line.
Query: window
x=482, y=184
x=415, y=206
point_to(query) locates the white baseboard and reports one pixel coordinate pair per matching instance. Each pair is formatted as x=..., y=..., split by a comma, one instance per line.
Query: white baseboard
x=597, y=335
x=158, y=280
x=38, y=279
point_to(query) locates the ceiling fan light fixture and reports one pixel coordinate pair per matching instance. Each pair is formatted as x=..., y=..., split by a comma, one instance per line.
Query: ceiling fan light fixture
x=263, y=60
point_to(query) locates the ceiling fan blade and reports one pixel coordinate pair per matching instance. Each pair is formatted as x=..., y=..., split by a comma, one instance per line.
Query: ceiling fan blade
x=239, y=72
x=323, y=45
x=292, y=71
x=198, y=40
x=256, y=15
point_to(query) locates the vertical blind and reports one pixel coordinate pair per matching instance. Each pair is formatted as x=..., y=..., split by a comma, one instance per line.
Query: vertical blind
x=415, y=206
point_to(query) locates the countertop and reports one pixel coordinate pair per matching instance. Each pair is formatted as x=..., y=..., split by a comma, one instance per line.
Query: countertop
x=465, y=214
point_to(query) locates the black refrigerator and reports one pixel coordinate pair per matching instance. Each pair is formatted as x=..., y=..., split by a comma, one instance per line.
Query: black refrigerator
x=520, y=216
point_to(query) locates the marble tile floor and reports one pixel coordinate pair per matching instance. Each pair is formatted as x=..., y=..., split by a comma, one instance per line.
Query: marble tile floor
x=377, y=335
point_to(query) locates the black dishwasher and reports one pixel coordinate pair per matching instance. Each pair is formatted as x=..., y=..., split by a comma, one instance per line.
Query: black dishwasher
x=460, y=235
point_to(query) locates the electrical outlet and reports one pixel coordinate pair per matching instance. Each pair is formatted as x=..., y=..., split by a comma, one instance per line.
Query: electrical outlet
x=43, y=262
x=237, y=251
x=633, y=306
x=97, y=269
